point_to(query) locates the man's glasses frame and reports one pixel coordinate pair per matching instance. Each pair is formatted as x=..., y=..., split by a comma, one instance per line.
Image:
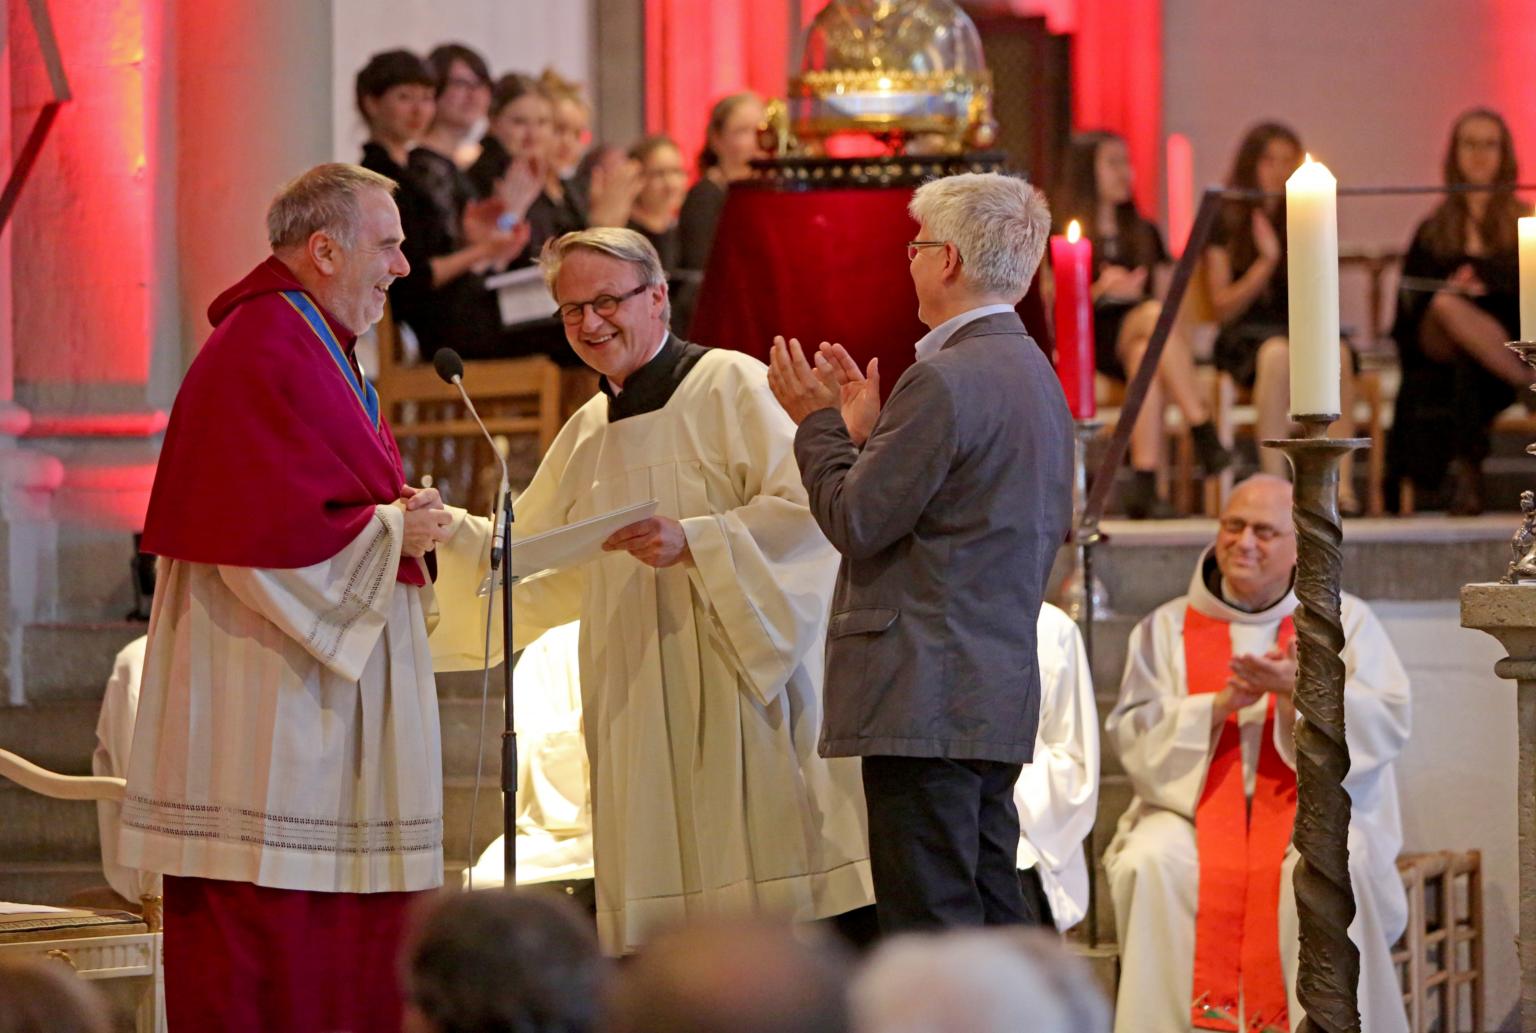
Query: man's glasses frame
x=605, y=305
x=914, y=246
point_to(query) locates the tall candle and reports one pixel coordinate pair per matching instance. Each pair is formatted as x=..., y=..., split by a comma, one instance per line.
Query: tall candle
x=1312, y=232
x=1527, y=278
x=1072, y=267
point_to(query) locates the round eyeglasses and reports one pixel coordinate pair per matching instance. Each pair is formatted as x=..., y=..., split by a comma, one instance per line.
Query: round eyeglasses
x=604, y=305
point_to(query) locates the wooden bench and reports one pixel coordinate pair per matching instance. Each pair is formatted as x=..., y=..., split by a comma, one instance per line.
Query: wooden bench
x=522, y=400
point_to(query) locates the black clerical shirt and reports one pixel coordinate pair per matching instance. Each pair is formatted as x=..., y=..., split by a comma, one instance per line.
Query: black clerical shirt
x=651, y=386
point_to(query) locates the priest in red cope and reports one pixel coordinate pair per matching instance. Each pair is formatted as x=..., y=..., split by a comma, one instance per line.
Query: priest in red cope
x=1200, y=867
x=286, y=772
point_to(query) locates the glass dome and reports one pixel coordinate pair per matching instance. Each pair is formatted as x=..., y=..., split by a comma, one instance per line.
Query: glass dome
x=893, y=67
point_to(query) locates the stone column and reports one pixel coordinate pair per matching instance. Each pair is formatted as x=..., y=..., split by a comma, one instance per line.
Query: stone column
x=1508, y=613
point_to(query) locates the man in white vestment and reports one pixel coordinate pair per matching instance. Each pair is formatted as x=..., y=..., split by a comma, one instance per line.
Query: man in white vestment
x=1058, y=791
x=554, y=805
x=701, y=628
x=286, y=772
x=114, y=743
x=1204, y=726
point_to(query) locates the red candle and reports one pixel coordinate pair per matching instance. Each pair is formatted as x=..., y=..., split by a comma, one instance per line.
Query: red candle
x=1072, y=265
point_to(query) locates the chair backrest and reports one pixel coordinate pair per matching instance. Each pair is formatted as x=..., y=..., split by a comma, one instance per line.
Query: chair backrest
x=515, y=397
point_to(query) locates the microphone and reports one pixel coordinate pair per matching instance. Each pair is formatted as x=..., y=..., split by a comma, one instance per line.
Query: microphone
x=450, y=367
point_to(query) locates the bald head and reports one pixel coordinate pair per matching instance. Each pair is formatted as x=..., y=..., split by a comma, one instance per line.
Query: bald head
x=1256, y=542
x=1263, y=489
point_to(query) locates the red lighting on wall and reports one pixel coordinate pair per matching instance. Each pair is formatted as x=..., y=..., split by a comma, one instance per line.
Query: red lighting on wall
x=85, y=300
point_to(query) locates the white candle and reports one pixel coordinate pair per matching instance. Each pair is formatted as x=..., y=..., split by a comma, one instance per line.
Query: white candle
x=1527, y=278
x=1312, y=232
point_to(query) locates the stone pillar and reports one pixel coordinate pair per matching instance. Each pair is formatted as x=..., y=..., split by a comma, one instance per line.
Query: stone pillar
x=1508, y=613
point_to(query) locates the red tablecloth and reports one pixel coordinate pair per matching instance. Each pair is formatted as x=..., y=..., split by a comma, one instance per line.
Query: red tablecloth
x=820, y=265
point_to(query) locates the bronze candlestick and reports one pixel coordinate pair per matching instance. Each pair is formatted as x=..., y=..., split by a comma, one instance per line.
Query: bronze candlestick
x=1522, y=563
x=1328, y=971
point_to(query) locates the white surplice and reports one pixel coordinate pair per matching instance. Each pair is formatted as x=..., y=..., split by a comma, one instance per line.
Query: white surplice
x=1165, y=740
x=287, y=729
x=701, y=682
x=1058, y=792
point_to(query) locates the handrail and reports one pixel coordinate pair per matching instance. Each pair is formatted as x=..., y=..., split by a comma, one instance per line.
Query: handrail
x=56, y=786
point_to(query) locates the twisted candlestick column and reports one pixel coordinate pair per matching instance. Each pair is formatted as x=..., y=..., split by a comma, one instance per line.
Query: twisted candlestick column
x=1328, y=971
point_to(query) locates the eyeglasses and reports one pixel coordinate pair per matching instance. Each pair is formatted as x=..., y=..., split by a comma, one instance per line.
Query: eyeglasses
x=604, y=305
x=462, y=83
x=1235, y=526
x=914, y=246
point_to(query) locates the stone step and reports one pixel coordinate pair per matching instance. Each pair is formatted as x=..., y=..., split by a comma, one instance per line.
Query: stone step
x=37, y=828
x=460, y=719
x=59, y=736
x=72, y=660
x=1115, y=795
x=1145, y=563
x=49, y=882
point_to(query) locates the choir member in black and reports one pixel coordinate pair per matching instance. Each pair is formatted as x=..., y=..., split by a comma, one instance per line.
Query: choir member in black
x=443, y=300
x=1245, y=271
x=1130, y=264
x=730, y=144
x=1457, y=304
x=663, y=181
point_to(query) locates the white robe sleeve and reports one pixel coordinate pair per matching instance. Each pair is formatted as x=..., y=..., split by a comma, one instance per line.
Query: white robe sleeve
x=337, y=608
x=1377, y=707
x=1057, y=793
x=1163, y=734
x=763, y=567
x=553, y=600
x=456, y=611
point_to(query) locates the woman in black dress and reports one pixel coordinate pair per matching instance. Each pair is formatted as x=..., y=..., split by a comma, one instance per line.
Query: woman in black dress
x=1128, y=259
x=1458, y=303
x=662, y=183
x=448, y=245
x=730, y=144
x=1245, y=270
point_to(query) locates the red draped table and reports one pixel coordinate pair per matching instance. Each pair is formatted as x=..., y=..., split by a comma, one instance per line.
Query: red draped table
x=802, y=253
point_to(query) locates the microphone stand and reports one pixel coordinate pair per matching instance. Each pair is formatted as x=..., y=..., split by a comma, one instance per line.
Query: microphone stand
x=501, y=552
x=508, y=734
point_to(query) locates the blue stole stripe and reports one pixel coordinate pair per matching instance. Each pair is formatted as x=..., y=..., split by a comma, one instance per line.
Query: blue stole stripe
x=367, y=397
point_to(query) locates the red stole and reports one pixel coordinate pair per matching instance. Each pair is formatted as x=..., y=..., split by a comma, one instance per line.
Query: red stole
x=1237, y=933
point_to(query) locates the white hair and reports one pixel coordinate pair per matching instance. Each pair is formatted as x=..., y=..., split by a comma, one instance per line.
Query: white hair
x=998, y=223
x=324, y=199
x=977, y=981
x=616, y=242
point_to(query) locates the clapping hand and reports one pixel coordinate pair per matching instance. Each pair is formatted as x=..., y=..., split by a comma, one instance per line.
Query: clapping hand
x=800, y=389
x=1265, y=240
x=859, y=393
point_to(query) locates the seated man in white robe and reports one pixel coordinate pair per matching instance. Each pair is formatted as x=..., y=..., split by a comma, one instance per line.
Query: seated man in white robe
x=701, y=628
x=114, y=743
x=1205, y=727
x=554, y=806
x=1058, y=792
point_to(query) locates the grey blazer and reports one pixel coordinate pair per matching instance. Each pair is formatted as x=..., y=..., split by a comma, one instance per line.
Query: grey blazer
x=948, y=520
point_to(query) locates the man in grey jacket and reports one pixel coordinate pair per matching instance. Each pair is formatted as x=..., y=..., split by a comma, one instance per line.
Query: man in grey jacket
x=948, y=506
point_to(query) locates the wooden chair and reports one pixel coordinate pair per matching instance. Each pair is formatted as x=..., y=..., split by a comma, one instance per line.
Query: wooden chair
x=524, y=400
x=97, y=945
x=1440, y=957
